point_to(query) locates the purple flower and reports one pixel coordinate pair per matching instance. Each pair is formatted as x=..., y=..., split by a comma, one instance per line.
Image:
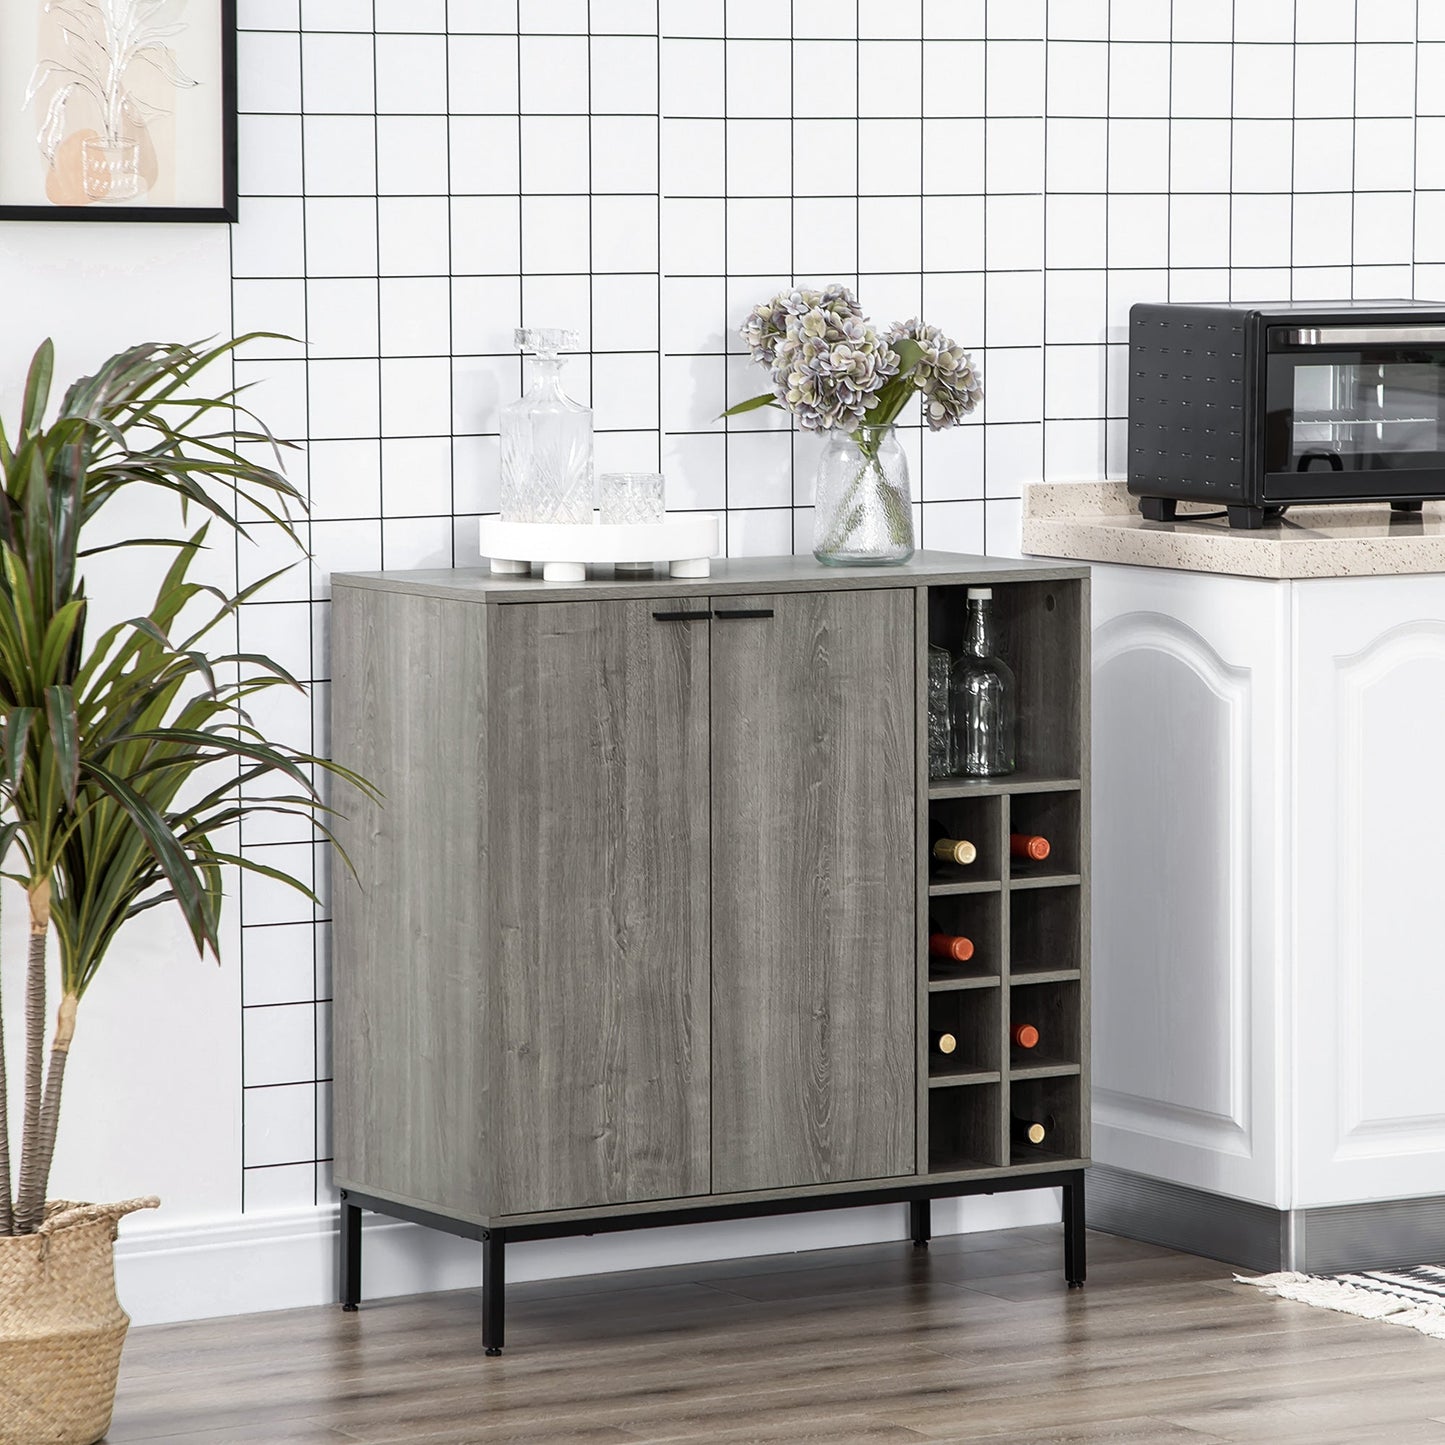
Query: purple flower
x=828, y=367
x=946, y=375
x=767, y=324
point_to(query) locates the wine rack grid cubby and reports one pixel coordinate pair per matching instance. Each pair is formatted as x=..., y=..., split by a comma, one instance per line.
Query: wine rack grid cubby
x=1028, y=919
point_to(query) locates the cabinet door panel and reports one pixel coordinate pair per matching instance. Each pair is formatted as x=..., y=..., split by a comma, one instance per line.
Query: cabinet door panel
x=813, y=775
x=599, y=861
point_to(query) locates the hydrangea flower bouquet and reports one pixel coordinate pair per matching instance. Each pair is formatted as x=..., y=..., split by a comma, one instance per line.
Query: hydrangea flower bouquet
x=837, y=374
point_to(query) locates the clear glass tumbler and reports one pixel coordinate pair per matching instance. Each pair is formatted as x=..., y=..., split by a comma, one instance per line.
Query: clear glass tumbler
x=631, y=497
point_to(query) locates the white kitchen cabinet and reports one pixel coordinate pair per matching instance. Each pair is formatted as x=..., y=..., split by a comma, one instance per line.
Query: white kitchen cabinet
x=1269, y=895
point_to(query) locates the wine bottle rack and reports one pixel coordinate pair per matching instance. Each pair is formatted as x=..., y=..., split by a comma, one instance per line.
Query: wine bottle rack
x=1028, y=919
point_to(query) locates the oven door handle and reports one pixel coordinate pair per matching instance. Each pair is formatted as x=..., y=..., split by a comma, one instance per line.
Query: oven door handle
x=1330, y=459
x=1361, y=335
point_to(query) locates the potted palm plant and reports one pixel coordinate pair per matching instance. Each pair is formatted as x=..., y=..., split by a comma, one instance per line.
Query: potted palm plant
x=127, y=764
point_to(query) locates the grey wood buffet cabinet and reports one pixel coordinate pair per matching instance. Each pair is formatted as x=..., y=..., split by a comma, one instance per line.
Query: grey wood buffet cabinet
x=639, y=934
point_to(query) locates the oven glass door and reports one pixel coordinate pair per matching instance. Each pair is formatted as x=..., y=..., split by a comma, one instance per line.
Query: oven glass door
x=1357, y=420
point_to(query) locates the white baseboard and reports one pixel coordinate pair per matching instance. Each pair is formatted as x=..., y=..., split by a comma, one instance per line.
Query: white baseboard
x=287, y=1260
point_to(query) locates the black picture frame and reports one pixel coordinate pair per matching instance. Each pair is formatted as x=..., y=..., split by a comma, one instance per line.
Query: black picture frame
x=229, y=209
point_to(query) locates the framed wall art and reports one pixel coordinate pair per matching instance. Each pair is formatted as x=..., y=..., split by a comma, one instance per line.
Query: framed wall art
x=118, y=110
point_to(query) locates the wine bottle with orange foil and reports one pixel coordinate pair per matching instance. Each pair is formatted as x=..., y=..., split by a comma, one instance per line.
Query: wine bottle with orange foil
x=1032, y=846
x=952, y=946
x=1026, y=1036
x=947, y=849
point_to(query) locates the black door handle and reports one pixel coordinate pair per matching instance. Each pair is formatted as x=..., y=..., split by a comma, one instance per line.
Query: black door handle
x=737, y=614
x=692, y=616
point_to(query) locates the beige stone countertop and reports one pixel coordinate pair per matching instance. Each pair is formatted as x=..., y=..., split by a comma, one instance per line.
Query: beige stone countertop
x=1100, y=522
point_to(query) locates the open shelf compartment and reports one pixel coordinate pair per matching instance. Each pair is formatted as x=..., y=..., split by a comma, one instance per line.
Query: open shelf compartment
x=965, y=1129
x=1039, y=629
x=980, y=821
x=1056, y=1104
x=1044, y=932
x=972, y=1017
x=1055, y=817
x=1053, y=1009
x=977, y=917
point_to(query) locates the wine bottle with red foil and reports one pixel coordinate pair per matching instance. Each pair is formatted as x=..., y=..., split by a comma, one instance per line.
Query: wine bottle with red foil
x=951, y=946
x=1033, y=847
x=1025, y=1036
x=948, y=849
x=942, y=1042
x=1032, y=1129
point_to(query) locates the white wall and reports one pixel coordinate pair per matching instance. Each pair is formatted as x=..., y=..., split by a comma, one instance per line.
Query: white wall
x=418, y=175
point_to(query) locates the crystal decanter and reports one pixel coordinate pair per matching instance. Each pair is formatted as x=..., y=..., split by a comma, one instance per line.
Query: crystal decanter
x=546, y=439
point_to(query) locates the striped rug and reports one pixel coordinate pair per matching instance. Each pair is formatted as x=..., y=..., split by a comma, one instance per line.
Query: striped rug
x=1414, y=1296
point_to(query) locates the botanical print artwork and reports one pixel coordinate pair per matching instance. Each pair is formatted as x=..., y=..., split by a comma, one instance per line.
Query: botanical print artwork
x=119, y=107
x=102, y=95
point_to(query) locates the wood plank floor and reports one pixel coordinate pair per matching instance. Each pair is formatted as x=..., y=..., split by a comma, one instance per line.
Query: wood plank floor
x=974, y=1339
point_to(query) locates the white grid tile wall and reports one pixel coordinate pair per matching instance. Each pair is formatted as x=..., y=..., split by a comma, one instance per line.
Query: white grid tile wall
x=418, y=175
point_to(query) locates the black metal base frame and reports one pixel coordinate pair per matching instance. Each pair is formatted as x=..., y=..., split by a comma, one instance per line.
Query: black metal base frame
x=918, y=1197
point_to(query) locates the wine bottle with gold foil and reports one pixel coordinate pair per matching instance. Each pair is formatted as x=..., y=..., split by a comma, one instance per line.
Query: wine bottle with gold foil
x=1032, y=1130
x=942, y=1042
x=948, y=849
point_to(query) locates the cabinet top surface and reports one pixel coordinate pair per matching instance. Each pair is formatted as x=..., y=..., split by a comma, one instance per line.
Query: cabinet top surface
x=1101, y=521
x=734, y=574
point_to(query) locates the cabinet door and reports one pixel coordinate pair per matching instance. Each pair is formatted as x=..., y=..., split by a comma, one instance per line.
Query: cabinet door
x=599, y=864
x=814, y=777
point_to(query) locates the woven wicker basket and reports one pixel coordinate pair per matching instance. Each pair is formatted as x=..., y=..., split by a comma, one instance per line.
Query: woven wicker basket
x=61, y=1326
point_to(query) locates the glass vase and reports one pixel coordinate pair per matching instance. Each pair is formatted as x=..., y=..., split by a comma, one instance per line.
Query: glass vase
x=546, y=440
x=862, y=513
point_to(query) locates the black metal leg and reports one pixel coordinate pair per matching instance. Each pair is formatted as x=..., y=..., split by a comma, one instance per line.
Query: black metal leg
x=1407, y=506
x=1075, y=1262
x=494, y=1290
x=350, y=1242
x=1247, y=518
x=1158, y=509
x=920, y=1222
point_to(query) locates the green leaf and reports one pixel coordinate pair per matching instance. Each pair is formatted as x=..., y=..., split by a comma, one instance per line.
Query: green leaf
x=37, y=387
x=754, y=403
x=64, y=736
x=17, y=732
x=168, y=854
x=910, y=353
x=58, y=638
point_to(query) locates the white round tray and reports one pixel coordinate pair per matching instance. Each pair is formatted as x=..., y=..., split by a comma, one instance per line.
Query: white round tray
x=684, y=540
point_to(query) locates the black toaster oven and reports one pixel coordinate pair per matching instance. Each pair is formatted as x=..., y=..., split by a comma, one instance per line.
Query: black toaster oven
x=1257, y=407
